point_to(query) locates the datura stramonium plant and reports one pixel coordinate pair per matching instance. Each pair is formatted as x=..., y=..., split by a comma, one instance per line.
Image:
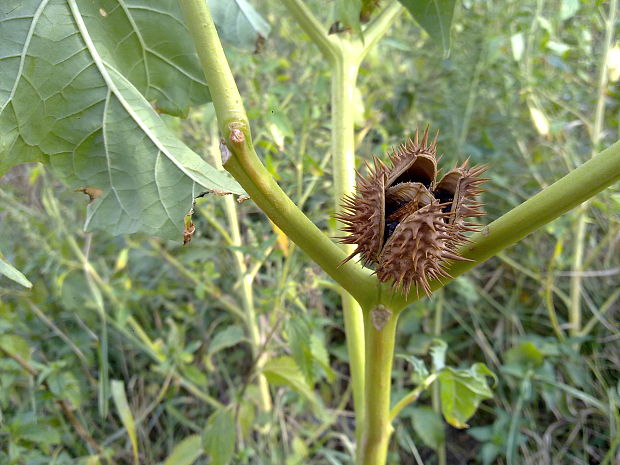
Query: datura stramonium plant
x=405, y=223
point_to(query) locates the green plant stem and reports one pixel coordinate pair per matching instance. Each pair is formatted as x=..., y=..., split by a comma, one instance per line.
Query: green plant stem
x=607, y=305
x=247, y=296
x=344, y=76
x=345, y=54
x=435, y=394
x=377, y=423
x=574, y=312
x=553, y=318
x=246, y=280
x=413, y=396
x=576, y=187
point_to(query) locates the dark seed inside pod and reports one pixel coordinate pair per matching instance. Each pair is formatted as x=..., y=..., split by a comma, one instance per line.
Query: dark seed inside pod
x=445, y=197
x=447, y=189
x=402, y=200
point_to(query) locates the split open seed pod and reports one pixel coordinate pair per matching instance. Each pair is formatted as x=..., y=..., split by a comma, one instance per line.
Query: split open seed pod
x=406, y=224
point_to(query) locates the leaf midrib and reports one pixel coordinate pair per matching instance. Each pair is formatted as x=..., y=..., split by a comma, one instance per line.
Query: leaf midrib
x=103, y=70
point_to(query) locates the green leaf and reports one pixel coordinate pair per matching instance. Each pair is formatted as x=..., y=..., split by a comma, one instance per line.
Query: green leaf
x=429, y=426
x=438, y=354
x=64, y=385
x=14, y=274
x=164, y=68
x=16, y=345
x=124, y=412
x=28, y=427
x=219, y=437
x=321, y=356
x=239, y=23
x=186, y=452
x=568, y=9
x=517, y=43
x=435, y=16
x=348, y=12
x=298, y=331
x=246, y=417
x=63, y=103
x=228, y=337
x=420, y=372
x=462, y=391
x=284, y=371
x=523, y=357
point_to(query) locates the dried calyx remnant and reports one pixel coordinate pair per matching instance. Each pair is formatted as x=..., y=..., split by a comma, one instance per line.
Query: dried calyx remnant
x=407, y=224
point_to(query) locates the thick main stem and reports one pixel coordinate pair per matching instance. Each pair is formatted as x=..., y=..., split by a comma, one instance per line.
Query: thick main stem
x=379, y=357
x=343, y=163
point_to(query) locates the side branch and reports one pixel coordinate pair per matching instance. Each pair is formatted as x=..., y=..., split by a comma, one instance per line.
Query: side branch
x=311, y=26
x=380, y=24
x=265, y=192
x=248, y=170
x=576, y=187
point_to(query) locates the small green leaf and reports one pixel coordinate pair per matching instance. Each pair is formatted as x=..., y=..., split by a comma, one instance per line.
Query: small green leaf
x=124, y=412
x=429, y=426
x=518, y=45
x=227, y=337
x=219, y=437
x=284, y=371
x=348, y=12
x=420, y=372
x=435, y=16
x=27, y=427
x=65, y=386
x=489, y=452
x=299, y=331
x=319, y=352
x=15, y=345
x=186, y=452
x=568, y=9
x=524, y=356
x=438, y=354
x=462, y=391
x=247, y=415
x=14, y=274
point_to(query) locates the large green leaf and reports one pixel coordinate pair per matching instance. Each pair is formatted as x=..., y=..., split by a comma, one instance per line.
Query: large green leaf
x=63, y=102
x=435, y=16
x=239, y=23
x=162, y=66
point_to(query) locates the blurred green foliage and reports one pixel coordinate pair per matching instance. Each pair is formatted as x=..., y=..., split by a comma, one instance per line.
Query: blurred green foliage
x=517, y=92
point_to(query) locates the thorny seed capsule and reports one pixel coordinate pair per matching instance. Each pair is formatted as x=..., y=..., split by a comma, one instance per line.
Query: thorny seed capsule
x=405, y=223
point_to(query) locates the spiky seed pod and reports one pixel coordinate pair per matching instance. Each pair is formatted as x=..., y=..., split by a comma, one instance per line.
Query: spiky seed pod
x=407, y=224
x=364, y=215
